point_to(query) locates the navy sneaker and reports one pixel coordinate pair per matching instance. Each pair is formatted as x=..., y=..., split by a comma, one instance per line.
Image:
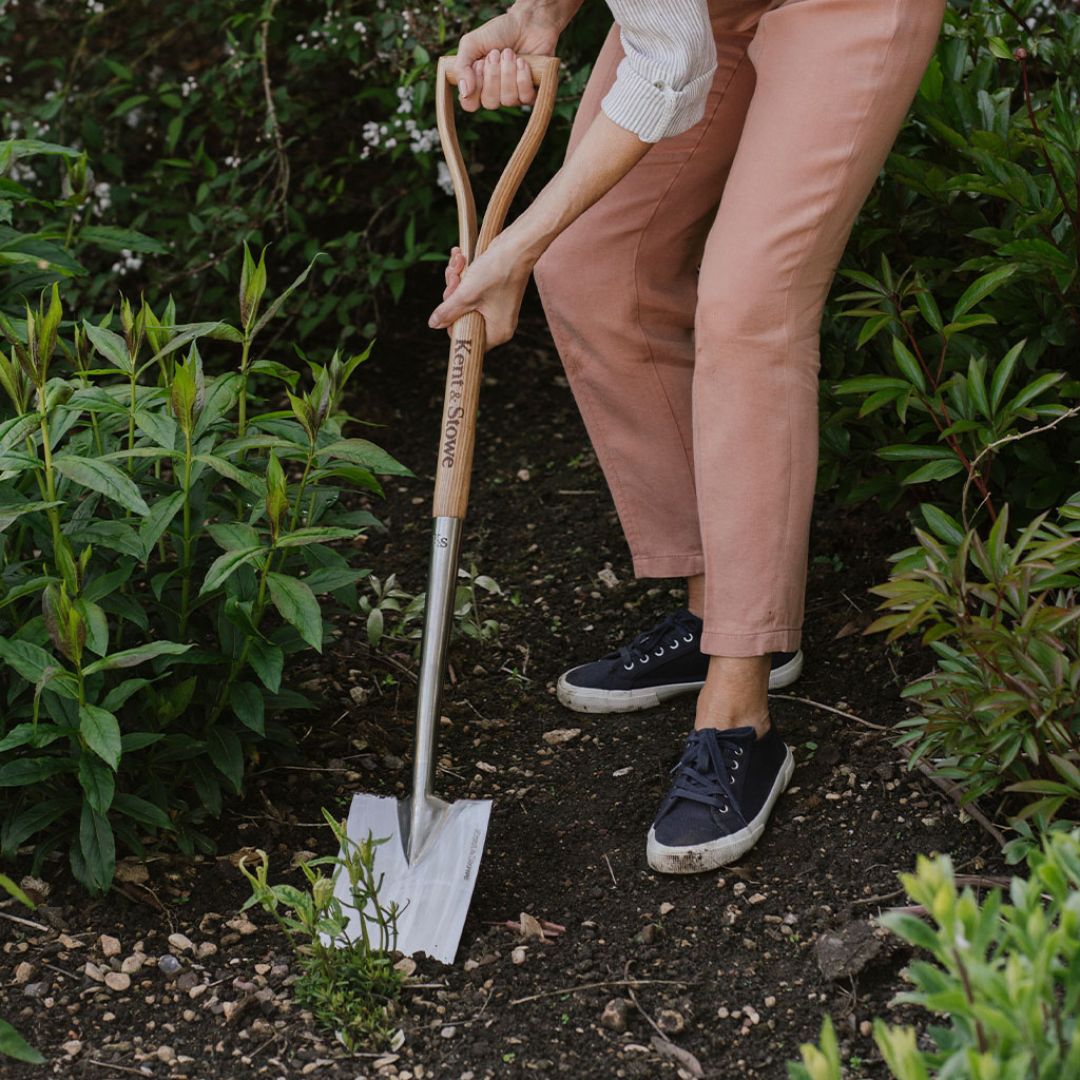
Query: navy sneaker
x=725, y=785
x=660, y=663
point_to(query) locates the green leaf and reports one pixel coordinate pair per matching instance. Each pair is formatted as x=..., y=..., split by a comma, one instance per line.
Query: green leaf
x=13, y=511
x=982, y=287
x=367, y=454
x=934, y=470
x=268, y=662
x=297, y=605
x=314, y=535
x=104, y=478
x=248, y=480
x=273, y=309
x=97, y=781
x=113, y=238
x=247, y=704
x=234, y=536
x=30, y=661
x=227, y=755
x=1003, y=373
x=941, y=524
x=101, y=732
x=909, y=366
x=97, y=848
x=13, y=1045
x=158, y=520
x=224, y=566
x=142, y=811
x=138, y=655
x=19, y=829
x=110, y=345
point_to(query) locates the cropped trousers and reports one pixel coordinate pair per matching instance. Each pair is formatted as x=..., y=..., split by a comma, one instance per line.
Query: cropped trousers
x=686, y=303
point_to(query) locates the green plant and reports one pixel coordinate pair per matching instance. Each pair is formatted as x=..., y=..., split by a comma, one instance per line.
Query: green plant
x=12, y=1044
x=348, y=982
x=1005, y=976
x=1001, y=710
x=154, y=516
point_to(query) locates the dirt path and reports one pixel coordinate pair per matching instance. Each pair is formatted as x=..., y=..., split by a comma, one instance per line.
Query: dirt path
x=726, y=964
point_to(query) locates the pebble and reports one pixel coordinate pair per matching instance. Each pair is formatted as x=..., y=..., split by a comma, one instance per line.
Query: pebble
x=770, y=1001
x=166, y=1054
x=133, y=963
x=666, y=908
x=866, y=1028
x=118, y=981
x=168, y=964
x=448, y=1032
x=23, y=972
x=471, y=965
x=558, y=736
x=723, y=1013
x=758, y=898
x=181, y=942
x=36, y=990
x=242, y=925
x=670, y=1022
x=739, y=888
x=92, y=971
x=616, y=1014
x=110, y=946
x=518, y=955
x=71, y=1047
x=205, y=949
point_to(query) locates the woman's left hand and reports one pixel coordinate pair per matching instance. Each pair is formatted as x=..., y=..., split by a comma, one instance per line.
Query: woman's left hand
x=493, y=284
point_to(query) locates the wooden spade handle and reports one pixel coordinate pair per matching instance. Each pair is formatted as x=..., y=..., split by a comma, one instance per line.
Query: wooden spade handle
x=467, y=338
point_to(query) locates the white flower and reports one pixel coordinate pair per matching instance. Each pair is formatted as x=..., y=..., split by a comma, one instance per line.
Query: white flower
x=443, y=178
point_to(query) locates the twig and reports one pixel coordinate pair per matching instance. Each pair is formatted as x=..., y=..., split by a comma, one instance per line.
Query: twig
x=830, y=708
x=596, y=985
x=610, y=871
x=24, y=922
x=110, y=1065
x=281, y=183
x=637, y=1005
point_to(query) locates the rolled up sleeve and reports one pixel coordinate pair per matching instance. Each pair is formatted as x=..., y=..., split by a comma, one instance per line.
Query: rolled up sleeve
x=662, y=83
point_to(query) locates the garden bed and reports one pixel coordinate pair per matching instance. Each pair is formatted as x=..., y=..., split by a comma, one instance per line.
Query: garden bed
x=728, y=965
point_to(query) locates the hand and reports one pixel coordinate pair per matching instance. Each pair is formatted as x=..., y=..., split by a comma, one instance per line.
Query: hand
x=486, y=64
x=493, y=284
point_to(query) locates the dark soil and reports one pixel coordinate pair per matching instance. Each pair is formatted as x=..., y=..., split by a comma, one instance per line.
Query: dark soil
x=726, y=963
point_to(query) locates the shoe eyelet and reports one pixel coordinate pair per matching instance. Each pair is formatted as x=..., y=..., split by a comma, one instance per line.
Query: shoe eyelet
x=674, y=644
x=734, y=766
x=658, y=652
x=643, y=659
x=688, y=637
x=738, y=751
x=732, y=775
x=723, y=809
x=628, y=667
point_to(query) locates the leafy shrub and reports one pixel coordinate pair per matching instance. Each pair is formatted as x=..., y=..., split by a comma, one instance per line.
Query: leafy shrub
x=153, y=516
x=1006, y=977
x=351, y=986
x=979, y=201
x=213, y=122
x=1001, y=711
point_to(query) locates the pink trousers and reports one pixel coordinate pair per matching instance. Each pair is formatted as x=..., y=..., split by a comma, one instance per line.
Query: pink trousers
x=686, y=303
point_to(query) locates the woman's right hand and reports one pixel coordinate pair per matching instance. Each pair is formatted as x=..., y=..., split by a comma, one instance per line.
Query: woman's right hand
x=489, y=72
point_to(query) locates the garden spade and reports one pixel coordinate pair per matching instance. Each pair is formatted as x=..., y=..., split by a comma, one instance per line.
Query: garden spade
x=431, y=851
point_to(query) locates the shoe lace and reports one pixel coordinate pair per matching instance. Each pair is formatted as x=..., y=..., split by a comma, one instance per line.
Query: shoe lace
x=706, y=771
x=678, y=626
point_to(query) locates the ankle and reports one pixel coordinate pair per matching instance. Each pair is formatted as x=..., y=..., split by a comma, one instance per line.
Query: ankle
x=726, y=719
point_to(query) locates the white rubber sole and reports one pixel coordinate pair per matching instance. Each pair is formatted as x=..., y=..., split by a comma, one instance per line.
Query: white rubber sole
x=588, y=700
x=697, y=858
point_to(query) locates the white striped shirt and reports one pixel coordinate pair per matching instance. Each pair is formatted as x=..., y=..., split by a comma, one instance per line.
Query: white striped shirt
x=662, y=82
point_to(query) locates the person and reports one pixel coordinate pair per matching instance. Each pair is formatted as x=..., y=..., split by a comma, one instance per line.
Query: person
x=683, y=252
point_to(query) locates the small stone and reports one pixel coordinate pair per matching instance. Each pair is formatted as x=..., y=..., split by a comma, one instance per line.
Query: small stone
x=110, y=946
x=770, y=1001
x=518, y=955
x=168, y=964
x=189, y=1015
x=448, y=1032
x=845, y=953
x=358, y=694
x=69, y=942
x=666, y=908
x=470, y=964
x=118, y=981
x=758, y=898
x=205, y=949
x=406, y=965
x=71, y=1047
x=616, y=1014
x=723, y=1012
x=130, y=964
x=866, y=1029
x=197, y=991
x=23, y=972
x=751, y=1014
x=739, y=888
x=558, y=736
x=523, y=474
x=264, y=969
x=181, y=942
x=647, y=934
x=242, y=925
x=92, y=971
x=36, y=990
x=166, y=1054
x=670, y=1022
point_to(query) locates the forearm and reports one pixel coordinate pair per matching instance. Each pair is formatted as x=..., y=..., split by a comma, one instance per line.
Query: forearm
x=555, y=12
x=606, y=153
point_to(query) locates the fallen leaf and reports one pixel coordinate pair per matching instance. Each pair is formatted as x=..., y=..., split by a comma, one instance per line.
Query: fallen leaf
x=531, y=930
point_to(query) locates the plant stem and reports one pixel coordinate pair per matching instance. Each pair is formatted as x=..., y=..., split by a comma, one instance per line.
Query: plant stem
x=185, y=569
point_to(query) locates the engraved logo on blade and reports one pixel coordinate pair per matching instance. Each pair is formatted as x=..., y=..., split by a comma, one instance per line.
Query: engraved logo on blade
x=474, y=845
